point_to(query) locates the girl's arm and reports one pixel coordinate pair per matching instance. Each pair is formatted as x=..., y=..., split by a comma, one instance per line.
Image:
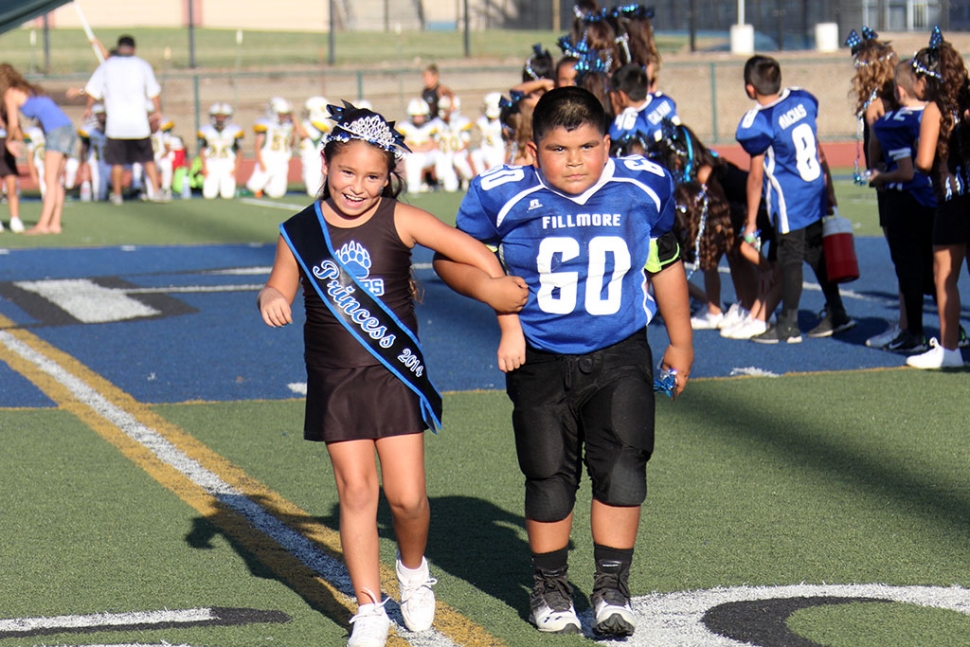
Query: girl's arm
x=275, y=299
x=13, y=98
x=670, y=291
x=416, y=226
x=929, y=134
x=260, y=140
x=903, y=173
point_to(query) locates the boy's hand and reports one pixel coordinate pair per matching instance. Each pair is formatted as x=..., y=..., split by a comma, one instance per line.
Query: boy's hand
x=680, y=361
x=507, y=294
x=511, y=352
x=274, y=307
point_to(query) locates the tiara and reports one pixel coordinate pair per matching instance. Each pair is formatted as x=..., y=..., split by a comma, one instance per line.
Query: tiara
x=568, y=48
x=593, y=63
x=922, y=70
x=633, y=11
x=365, y=126
x=537, y=51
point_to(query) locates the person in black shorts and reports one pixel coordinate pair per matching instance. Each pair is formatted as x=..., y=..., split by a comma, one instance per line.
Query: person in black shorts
x=8, y=175
x=592, y=237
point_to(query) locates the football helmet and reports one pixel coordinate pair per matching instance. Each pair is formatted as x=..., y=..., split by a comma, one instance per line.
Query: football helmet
x=418, y=107
x=316, y=109
x=492, y=105
x=279, y=110
x=220, y=113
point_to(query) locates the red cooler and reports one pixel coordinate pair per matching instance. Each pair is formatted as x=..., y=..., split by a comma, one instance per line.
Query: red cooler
x=841, y=263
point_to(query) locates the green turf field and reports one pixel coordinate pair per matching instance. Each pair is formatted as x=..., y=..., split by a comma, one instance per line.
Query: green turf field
x=854, y=478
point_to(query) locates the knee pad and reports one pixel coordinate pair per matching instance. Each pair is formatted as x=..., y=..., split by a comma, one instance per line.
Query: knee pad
x=549, y=500
x=551, y=469
x=623, y=482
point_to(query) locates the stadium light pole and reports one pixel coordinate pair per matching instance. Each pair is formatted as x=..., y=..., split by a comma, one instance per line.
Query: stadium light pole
x=191, y=7
x=332, y=37
x=468, y=45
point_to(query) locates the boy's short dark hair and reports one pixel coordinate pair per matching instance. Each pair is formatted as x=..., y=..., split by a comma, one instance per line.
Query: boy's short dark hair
x=569, y=108
x=126, y=41
x=763, y=73
x=632, y=80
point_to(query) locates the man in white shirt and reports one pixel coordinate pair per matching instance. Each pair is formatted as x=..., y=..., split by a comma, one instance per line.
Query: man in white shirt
x=124, y=82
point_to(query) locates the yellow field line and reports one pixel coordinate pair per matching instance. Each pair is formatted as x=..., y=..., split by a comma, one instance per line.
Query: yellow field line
x=301, y=578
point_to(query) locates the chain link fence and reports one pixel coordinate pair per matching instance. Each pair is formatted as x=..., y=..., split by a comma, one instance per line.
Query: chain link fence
x=710, y=96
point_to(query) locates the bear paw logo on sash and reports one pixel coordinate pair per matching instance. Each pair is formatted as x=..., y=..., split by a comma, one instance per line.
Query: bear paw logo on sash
x=356, y=259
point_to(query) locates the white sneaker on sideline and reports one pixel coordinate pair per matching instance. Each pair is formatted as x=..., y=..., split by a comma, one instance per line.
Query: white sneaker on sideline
x=745, y=330
x=936, y=357
x=882, y=339
x=705, y=320
x=16, y=225
x=417, y=598
x=734, y=315
x=371, y=626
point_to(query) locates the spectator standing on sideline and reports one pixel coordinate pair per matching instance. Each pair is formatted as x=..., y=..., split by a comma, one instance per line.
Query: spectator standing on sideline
x=124, y=81
x=20, y=96
x=433, y=91
x=8, y=178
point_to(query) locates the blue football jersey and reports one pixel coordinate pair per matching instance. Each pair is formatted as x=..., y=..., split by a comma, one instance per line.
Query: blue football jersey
x=898, y=132
x=581, y=255
x=646, y=118
x=785, y=132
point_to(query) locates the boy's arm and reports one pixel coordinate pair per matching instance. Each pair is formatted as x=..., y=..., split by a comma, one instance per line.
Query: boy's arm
x=670, y=292
x=505, y=294
x=755, y=186
x=829, y=184
x=511, y=346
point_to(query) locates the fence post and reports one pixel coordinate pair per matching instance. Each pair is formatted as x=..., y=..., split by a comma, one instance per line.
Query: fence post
x=198, y=101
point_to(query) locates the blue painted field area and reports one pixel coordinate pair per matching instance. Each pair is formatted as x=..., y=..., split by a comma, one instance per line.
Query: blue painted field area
x=176, y=324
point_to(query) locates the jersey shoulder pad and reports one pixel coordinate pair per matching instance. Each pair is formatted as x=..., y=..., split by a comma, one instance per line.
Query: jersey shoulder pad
x=755, y=132
x=499, y=186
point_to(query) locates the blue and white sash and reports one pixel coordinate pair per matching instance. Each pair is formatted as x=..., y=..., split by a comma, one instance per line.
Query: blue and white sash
x=364, y=315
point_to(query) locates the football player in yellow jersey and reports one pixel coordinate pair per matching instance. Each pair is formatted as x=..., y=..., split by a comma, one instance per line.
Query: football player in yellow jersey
x=276, y=136
x=317, y=124
x=219, y=143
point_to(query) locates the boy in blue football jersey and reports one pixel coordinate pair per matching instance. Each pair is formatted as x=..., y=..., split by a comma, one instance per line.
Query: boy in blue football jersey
x=909, y=213
x=636, y=108
x=580, y=228
x=788, y=167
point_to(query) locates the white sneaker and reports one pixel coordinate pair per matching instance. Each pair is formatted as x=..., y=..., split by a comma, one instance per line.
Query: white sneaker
x=371, y=626
x=734, y=315
x=936, y=357
x=705, y=320
x=417, y=598
x=882, y=339
x=1, y=226
x=745, y=330
x=612, y=616
x=16, y=225
x=116, y=199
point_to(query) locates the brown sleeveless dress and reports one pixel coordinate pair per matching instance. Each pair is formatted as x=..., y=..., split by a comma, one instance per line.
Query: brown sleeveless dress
x=350, y=394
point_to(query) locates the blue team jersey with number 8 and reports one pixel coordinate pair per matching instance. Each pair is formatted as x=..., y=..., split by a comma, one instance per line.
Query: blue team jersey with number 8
x=786, y=133
x=583, y=255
